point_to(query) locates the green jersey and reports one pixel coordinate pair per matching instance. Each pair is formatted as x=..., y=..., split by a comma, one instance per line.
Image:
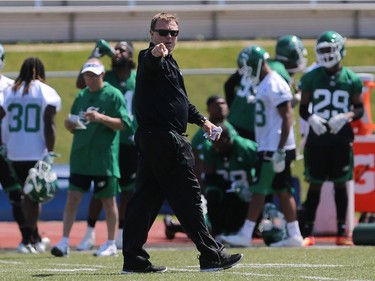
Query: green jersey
x=331, y=95
x=239, y=166
x=95, y=150
x=199, y=141
x=280, y=69
x=127, y=88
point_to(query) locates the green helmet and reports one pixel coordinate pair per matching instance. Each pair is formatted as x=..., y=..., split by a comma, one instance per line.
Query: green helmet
x=41, y=183
x=273, y=225
x=250, y=62
x=330, y=49
x=291, y=52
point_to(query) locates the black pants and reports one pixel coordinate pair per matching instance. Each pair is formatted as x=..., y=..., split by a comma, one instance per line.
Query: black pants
x=165, y=170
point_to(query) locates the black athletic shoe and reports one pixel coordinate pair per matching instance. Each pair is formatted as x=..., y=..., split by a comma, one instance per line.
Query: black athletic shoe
x=169, y=223
x=149, y=269
x=227, y=261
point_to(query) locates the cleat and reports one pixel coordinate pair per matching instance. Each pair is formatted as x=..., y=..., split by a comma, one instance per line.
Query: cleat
x=107, y=249
x=309, y=241
x=236, y=240
x=149, y=269
x=88, y=241
x=119, y=239
x=226, y=261
x=169, y=223
x=344, y=241
x=26, y=249
x=41, y=246
x=61, y=249
x=295, y=241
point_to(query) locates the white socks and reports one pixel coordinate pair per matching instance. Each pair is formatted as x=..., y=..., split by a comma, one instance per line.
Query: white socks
x=293, y=229
x=247, y=229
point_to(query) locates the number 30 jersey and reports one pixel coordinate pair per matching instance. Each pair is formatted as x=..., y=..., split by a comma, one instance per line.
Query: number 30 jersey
x=23, y=125
x=331, y=94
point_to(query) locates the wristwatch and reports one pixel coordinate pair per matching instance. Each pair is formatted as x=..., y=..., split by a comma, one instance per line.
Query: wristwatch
x=204, y=119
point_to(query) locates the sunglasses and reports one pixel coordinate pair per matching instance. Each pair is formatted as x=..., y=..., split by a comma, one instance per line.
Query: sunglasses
x=165, y=32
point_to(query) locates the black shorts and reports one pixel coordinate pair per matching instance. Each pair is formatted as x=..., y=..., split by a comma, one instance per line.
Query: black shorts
x=8, y=177
x=329, y=163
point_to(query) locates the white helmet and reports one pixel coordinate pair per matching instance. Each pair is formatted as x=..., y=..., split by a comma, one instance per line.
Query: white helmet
x=41, y=183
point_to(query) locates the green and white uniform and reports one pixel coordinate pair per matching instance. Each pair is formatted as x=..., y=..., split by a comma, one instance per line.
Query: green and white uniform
x=330, y=156
x=271, y=92
x=241, y=112
x=23, y=125
x=227, y=202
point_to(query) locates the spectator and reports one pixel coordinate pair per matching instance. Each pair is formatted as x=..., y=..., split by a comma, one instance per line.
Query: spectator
x=334, y=93
x=28, y=124
x=228, y=168
x=97, y=115
x=165, y=167
x=276, y=149
x=121, y=76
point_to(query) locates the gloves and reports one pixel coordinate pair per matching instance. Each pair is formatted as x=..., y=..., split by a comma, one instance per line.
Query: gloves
x=50, y=157
x=102, y=48
x=317, y=124
x=241, y=189
x=278, y=160
x=336, y=123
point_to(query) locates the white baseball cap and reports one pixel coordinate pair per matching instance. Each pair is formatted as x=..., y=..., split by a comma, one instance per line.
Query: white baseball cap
x=93, y=67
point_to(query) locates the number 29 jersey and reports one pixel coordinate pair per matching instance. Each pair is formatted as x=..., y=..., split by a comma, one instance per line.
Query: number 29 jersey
x=331, y=94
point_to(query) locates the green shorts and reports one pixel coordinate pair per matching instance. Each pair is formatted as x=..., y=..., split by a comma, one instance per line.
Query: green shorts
x=104, y=186
x=269, y=182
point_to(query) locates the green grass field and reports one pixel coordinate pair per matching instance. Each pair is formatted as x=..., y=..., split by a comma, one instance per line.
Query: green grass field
x=259, y=263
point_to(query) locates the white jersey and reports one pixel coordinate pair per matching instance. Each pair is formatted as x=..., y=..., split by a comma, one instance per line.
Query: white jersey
x=5, y=82
x=272, y=91
x=23, y=125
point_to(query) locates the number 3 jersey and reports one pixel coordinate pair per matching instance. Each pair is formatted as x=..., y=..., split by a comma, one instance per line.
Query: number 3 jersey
x=270, y=93
x=331, y=94
x=23, y=124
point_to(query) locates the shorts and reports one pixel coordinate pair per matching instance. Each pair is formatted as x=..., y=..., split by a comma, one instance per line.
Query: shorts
x=22, y=169
x=329, y=163
x=104, y=186
x=8, y=177
x=128, y=166
x=267, y=181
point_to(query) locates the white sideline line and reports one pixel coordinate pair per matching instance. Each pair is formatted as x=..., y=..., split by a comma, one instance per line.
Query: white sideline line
x=10, y=262
x=278, y=265
x=77, y=265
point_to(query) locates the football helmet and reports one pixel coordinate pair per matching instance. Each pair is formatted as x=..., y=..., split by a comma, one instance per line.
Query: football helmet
x=250, y=62
x=330, y=49
x=291, y=52
x=2, y=55
x=41, y=183
x=272, y=225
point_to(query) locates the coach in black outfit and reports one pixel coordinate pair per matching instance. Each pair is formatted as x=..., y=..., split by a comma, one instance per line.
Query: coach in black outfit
x=165, y=167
